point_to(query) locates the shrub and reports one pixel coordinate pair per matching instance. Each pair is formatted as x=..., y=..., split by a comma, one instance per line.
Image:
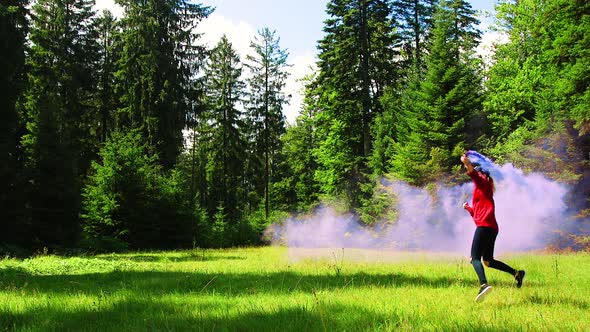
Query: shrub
x=128, y=202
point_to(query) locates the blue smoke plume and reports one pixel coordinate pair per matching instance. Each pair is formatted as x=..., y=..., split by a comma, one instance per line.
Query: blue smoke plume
x=485, y=163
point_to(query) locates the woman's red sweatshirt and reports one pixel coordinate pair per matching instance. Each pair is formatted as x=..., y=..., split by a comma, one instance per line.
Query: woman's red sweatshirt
x=482, y=208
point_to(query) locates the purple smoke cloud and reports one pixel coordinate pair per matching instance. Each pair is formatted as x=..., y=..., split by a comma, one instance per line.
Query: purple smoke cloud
x=529, y=207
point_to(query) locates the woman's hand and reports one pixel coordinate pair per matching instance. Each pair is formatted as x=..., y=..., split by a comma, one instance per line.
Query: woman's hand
x=466, y=206
x=467, y=163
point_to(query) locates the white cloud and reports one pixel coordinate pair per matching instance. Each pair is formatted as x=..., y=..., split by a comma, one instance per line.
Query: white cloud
x=303, y=65
x=489, y=40
x=110, y=5
x=490, y=37
x=239, y=33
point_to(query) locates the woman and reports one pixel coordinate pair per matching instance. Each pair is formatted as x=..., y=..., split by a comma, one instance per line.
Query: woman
x=484, y=216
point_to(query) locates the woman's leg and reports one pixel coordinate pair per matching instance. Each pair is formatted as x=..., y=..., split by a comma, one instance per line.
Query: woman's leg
x=476, y=253
x=489, y=241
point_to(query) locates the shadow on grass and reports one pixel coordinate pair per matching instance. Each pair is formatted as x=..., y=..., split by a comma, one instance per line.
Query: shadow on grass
x=165, y=258
x=559, y=301
x=156, y=315
x=232, y=284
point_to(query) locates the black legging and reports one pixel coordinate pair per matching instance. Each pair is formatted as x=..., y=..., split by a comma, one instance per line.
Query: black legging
x=483, y=246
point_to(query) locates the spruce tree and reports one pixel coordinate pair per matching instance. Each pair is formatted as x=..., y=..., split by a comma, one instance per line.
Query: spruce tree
x=436, y=111
x=155, y=71
x=298, y=189
x=224, y=138
x=128, y=203
x=264, y=101
x=414, y=19
x=357, y=61
x=109, y=49
x=60, y=105
x=13, y=34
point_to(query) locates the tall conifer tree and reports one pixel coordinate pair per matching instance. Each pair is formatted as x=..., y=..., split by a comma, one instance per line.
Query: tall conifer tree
x=298, y=188
x=357, y=61
x=225, y=137
x=155, y=70
x=414, y=19
x=59, y=105
x=265, y=101
x=437, y=110
x=109, y=47
x=13, y=34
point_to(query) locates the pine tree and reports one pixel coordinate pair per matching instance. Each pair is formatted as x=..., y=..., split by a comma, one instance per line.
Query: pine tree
x=265, y=101
x=436, y=111
x=357, y=61
x=298, y=189
x=415, y=25
x=60, y=102
x=13, y=33
x=155, y=70
x=225, y=137
x=109, y=44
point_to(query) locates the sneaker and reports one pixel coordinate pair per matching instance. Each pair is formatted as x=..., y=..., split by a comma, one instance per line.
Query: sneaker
x=519, y=276
x=483, y=291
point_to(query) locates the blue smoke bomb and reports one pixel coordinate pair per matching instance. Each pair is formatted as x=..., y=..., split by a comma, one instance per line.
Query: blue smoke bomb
x=486, y=163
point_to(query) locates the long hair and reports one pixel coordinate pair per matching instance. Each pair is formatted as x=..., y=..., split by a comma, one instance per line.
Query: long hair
x=491, y=179
x=485, y=172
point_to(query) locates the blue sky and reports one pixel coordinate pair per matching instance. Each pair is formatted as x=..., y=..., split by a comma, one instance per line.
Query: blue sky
x=298, y=24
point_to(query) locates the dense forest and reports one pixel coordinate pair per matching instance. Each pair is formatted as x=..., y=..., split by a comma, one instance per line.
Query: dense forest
x=131, y=134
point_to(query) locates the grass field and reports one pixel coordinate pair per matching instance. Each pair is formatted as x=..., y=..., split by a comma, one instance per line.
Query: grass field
x=275, y=289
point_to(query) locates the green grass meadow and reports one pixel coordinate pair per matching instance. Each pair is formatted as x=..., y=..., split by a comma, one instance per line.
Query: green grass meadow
x=266, y=289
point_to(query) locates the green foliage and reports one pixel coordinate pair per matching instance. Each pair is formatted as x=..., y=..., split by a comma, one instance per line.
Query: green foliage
x=257, y=223
x=551, y=148
x=155, y=69
x=436, y=109
x=299, y=187
x=127, y=201
x=513, y=90
x=298, y=190
x=398, y=93
x=109, y=41
x=13, y=32
x=356, y=64
x=536, y=87
x=415, y=19
x=380, y=206
x=224, y=139
x=59, y=107
x=383, y=132
x=334, y=158
x=219, y=238
x=202, y=228
x=265, y=120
